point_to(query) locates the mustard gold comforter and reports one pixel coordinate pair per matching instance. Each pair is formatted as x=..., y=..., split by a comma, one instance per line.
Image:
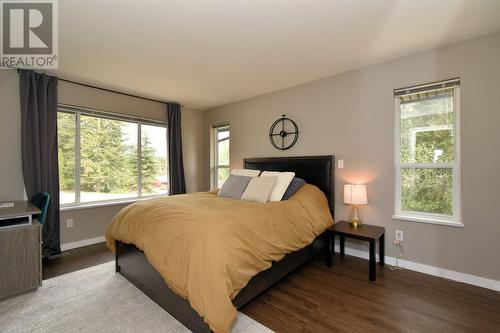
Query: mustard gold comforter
x=207, y=247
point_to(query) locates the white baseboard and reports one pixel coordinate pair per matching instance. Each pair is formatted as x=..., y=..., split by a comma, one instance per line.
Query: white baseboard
x=411, y=265
x=82, y=243
x=431, y=270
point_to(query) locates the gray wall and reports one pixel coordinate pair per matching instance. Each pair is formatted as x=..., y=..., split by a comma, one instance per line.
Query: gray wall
x=11, y=176
x=89, y=222
x=351, y=115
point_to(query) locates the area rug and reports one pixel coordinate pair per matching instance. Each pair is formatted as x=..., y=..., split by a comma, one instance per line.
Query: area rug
x=95, y=299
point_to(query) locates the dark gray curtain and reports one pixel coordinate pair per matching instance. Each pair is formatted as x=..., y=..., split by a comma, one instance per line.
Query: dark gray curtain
x=39, y=148
x=177, y=182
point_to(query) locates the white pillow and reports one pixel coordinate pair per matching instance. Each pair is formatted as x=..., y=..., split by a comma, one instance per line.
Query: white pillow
x=282, y=181
x=259, y=189
x=245, y=172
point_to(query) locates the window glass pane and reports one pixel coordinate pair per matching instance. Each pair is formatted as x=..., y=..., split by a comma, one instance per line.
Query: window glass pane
x=427, y=190
x=154, y=165
x=427, y=127
x=223, y=147
x=66, y=137
x=222, y=174
x=108, y=159
x=223, y=133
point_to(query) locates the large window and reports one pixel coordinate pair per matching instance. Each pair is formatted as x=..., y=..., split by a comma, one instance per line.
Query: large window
x=108, y=158
x=221, y=155
x=427, y=153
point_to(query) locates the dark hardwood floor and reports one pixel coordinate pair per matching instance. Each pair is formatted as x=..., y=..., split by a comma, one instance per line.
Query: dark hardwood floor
x=341, y=299
x=77, y=259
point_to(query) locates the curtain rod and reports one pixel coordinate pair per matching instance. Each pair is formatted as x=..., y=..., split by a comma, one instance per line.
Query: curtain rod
x=99, y=88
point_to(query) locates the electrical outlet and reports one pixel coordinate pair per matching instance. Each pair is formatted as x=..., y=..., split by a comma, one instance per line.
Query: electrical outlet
x=399, y=236
x=69, y=223
x=340, y=164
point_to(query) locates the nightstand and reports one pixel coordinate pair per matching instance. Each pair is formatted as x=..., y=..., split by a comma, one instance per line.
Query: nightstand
x=21, y=260
x=366, y=232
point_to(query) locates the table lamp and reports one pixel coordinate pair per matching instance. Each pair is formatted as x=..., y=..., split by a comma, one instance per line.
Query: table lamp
x=355, y=195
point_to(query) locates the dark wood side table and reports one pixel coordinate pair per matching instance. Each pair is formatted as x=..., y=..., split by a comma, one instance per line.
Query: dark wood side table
x=366, y=232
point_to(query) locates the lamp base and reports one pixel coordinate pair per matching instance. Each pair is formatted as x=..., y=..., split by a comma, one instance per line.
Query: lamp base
x=354, y=219
x=355, y=223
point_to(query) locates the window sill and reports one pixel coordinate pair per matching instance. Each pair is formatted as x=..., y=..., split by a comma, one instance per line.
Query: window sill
x=430, y=220
x=90, y=205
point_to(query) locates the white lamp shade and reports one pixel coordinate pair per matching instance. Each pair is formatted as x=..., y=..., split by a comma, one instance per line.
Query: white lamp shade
x=355, y=194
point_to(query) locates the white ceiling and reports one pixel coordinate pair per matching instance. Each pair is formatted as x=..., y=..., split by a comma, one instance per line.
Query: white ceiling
x=208, y=53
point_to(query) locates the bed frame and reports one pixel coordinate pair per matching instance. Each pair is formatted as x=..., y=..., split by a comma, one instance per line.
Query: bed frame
x=133, y=265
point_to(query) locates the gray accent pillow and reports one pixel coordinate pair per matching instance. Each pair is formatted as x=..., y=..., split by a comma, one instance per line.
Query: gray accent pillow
x=294, y=186
x=234, y=186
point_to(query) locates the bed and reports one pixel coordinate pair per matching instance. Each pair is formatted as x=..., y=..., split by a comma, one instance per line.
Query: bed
x=133, y=265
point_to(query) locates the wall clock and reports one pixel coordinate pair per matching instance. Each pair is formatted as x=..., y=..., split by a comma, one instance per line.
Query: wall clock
x=283, y=133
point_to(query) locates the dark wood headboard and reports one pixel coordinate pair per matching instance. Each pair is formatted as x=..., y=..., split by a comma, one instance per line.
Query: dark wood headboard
x=315, y=170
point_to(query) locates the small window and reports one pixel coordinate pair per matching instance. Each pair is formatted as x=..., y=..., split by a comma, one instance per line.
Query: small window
x=103, y=158
x=221, y=155
x=427, y=153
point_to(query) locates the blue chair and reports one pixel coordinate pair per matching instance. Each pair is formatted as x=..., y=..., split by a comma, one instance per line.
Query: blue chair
x=41, y=200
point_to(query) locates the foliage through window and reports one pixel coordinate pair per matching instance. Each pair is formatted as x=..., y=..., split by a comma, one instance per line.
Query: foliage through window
x=427, y=176
x=221, y=155
x=102, y=158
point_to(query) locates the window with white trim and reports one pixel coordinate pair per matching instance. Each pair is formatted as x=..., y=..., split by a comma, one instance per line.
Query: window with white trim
x=220, y=155
x=428, y=153
x=109, y=158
